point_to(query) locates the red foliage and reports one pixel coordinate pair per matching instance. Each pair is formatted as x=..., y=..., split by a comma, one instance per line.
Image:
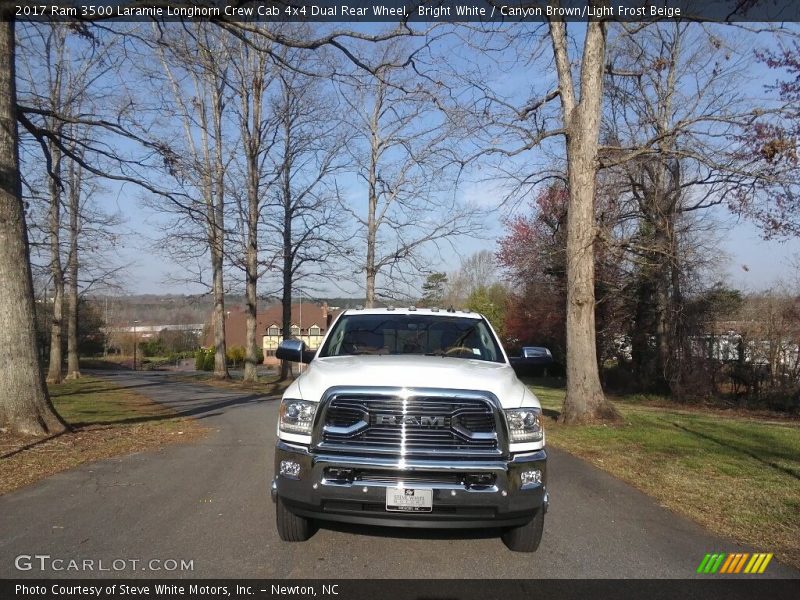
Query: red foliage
x=532, y=253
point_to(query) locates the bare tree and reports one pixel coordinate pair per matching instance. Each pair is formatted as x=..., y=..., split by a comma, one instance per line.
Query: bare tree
x=25, y=406
x=507, y=129
x=251, y=80
x=59, y=77
x=195, y=63
x=478, y=269
x=675, y=106
x=579, y=89
x=93, y=238
x=581, y=112
x=403, y=154
x=286, y=215
x=74, y=189
x=54, y=39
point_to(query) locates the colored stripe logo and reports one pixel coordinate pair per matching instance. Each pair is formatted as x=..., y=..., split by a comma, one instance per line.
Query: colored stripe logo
x=733, y=564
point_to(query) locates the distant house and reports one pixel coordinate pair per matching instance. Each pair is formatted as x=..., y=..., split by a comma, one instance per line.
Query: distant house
x=149, y=331
x=310, y=323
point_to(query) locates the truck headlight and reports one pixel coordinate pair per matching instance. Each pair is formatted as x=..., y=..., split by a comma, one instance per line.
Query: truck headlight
x=524, y=424
x=297, y=416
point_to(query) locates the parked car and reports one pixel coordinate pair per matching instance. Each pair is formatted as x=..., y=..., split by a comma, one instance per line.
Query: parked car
x=533, y=360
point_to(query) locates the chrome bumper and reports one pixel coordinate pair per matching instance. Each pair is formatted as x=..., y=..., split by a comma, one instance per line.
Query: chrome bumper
x=507, y=502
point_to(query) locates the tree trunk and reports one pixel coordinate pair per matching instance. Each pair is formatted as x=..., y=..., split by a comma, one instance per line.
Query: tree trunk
x=220, y=361
x=372, y=200
x=251, y=350
x=73, y=359
x=25, y=405
x=55, y=188
x=286, y=325
x=251, y=283
x=372, y=231
x=584, y=401
x=215, y=245
x=371, y=271
x=218, y=248
x=286, y=299
x=252, y=139
x=56, y=269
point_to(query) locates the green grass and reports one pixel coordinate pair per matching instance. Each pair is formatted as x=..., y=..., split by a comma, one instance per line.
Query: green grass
x=737, y=475
x=95, y=401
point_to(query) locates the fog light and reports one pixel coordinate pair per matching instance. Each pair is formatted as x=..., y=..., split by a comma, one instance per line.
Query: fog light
x=338, y=475
x=289, y=468
x=479, y=480
x=529, y=477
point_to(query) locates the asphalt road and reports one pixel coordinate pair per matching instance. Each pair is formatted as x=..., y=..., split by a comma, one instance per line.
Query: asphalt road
x=208, y=503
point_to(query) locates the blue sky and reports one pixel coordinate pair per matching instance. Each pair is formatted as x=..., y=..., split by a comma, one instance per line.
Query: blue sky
x=753, y=262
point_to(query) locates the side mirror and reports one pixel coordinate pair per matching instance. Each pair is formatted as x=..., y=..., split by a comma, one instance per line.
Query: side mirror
x=294, y=351
x=537, y=355
x=533, y=360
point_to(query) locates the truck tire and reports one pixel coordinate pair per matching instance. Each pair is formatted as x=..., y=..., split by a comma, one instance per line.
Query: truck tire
x=292, y=528
x=525, y=538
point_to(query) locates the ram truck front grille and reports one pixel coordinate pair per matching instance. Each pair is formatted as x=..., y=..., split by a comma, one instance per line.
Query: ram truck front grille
x=408, y=425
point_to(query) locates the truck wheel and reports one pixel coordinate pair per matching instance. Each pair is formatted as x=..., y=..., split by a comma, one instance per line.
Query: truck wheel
x=292, y=528
x=525, y=538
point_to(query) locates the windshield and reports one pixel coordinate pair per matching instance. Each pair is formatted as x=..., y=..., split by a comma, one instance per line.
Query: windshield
x=432, y=335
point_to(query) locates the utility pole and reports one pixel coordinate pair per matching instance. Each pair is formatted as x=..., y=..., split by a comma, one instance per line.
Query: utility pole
x=135, y=343
x=105, y=333
x=300, y=296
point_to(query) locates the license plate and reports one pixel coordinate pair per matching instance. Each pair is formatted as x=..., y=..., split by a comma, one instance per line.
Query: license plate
x=409, y=500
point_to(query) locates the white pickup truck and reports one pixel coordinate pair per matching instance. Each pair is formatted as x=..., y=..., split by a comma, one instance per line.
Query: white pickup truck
x=410, y=418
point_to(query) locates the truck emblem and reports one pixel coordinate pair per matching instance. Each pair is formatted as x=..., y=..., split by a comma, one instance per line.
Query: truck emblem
x=424, y=421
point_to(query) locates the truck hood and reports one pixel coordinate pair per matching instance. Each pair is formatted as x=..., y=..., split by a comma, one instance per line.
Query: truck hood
x=412, y=371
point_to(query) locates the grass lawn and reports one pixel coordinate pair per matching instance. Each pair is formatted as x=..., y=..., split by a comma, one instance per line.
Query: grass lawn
x=737, y=475
x=107, y=420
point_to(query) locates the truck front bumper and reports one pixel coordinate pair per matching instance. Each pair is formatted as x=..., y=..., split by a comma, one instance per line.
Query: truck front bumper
x=502, y=500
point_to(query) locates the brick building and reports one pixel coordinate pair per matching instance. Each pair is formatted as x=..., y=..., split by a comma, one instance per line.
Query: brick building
x=310, y=323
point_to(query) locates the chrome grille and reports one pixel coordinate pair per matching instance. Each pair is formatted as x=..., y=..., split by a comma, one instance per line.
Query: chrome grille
x=417, y=424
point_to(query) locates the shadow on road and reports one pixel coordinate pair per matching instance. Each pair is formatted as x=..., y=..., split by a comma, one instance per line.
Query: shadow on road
x=413, y=533
x=180, y=398
x=108, y=389
x=33, y=444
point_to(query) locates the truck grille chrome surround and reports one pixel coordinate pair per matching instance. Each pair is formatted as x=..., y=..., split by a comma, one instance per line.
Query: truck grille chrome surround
x=410, y=422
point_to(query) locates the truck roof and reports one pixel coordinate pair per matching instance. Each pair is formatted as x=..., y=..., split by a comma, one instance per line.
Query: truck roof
x=411, y=310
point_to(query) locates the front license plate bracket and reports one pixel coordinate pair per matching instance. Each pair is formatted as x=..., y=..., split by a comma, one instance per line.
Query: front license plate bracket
x=403, y=499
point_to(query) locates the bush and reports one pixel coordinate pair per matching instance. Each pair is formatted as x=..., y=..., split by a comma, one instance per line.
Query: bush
x=204, y=359
x=235, y=355
x=152, y=347
x=174, y=357
x=208, y=363
x=199, y=359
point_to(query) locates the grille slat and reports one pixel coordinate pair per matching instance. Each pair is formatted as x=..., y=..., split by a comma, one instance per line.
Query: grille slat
x=417, y=423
